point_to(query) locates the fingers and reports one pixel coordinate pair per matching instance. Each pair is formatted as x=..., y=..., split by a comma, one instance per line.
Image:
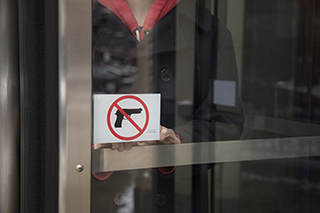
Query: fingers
x=101, y=145
x=128, y=145
x=142, y=143
x=168, y=136
x=146, y=143
x=122, y=146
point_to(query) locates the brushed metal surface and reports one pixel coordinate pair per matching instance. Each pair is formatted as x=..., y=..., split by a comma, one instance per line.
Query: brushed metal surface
x=74, y=105
x=9, y=107
x=141, y=157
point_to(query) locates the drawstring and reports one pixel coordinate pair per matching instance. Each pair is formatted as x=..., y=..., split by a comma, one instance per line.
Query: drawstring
x=146, y=32
x=137, y=32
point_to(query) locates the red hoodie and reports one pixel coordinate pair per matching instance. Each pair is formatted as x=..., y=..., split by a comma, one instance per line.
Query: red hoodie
x=158, y=10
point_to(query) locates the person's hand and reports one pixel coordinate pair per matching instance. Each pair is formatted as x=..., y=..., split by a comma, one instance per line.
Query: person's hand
x=167, y=136
x=116, y=146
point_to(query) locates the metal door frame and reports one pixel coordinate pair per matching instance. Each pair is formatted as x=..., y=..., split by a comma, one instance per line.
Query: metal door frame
x=75, y=103
x=9, y=108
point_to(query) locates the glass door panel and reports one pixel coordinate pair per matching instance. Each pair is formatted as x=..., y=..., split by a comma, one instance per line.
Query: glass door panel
x=238, y=84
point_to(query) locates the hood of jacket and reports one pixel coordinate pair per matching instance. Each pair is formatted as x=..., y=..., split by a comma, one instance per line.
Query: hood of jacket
x=158, y=10
x=173, y=31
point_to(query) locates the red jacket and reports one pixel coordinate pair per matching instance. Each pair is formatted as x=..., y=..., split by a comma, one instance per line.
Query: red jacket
x=157, y=11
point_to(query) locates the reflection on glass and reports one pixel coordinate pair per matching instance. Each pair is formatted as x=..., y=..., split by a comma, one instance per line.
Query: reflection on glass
x=180, y=52
x=178, y=49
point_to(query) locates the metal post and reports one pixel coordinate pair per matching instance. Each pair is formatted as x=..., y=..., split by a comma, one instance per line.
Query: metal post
x=75, y=100
x=9, y=107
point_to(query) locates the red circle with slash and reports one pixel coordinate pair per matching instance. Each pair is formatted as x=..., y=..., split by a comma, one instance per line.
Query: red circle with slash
x=140, y=130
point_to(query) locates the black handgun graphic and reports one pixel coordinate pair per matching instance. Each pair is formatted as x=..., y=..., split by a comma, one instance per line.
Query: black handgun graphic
x=129, y=112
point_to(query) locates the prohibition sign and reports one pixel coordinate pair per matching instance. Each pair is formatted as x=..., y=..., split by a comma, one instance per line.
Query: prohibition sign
x=116, y=105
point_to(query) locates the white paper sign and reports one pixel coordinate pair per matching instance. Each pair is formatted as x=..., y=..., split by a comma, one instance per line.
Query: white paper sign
x=126, y=118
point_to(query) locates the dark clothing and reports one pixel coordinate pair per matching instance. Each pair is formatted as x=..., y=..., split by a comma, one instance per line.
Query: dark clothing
x=188, y=46
x=179, y=39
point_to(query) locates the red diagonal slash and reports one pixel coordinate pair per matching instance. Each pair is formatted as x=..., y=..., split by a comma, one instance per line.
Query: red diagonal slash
x=128, y=117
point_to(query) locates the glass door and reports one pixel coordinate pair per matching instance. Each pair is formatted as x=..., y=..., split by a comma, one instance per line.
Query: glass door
x=183, y=106
x=183, y=55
